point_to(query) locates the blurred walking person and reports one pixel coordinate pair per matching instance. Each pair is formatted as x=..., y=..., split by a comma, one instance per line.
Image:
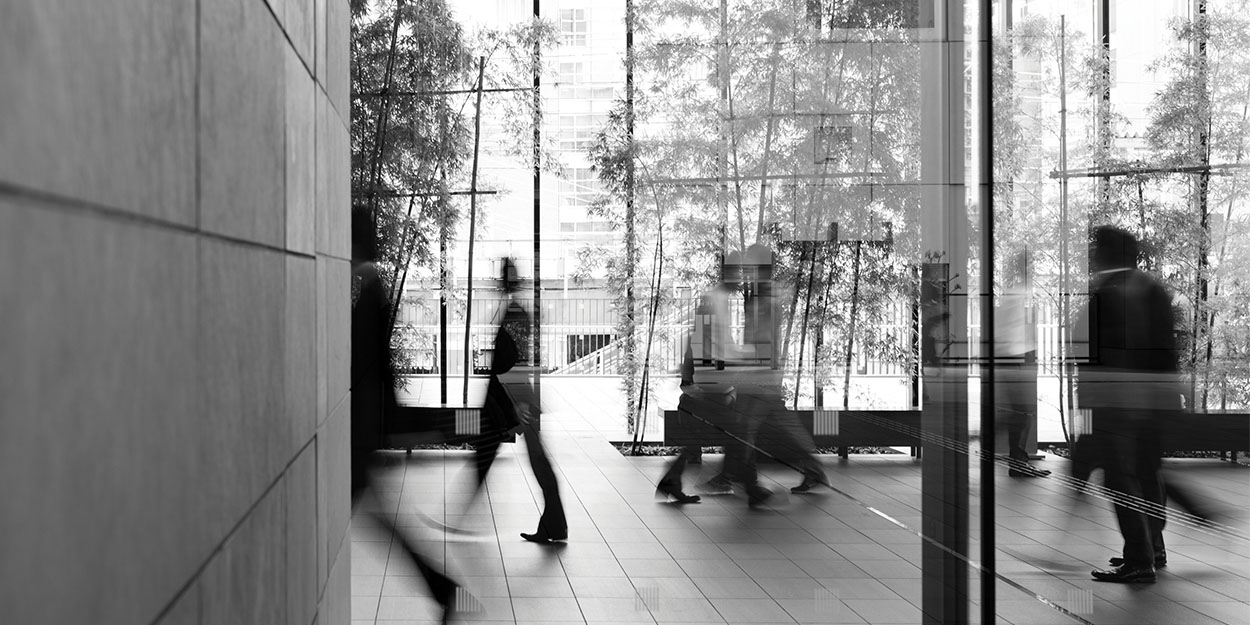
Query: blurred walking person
x=373, y=397
x=512, y=405
x=1131, y=384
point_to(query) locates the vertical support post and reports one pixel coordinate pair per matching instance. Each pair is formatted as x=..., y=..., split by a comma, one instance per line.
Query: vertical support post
x=1102, y=120
x=988, y=401
x=536, y=358
x=443, y=311
x=944, y=320
x=629, y=349
x=722, y=158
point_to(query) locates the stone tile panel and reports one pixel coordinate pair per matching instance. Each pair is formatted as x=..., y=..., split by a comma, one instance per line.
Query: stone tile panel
x=186, y=609
x=319, y=40
x=300, y=482
x=336, y=602
x=246, y=581
x=301, y=128
x=99, y=418
x=300, y=352
x=336, y=291
x=338, y=55
x=241, y=122
x=333, y=185
x=298, y=19
x=99, y=117
x=241, y=392
x=333, y=489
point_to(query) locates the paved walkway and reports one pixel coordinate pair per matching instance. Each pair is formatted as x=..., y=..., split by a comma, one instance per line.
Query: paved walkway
x=819, y=558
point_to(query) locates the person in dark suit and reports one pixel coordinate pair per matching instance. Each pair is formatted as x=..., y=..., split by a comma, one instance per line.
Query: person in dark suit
x=1130, y=384
x=512, y=406
x=373, y=394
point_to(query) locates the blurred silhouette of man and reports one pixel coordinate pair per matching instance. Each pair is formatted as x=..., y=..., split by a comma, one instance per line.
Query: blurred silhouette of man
x=373, y=394
x=1130, y=385
x=512, y=405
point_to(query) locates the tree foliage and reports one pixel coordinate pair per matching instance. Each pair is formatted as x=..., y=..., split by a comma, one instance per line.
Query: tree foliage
x=408, y=136
x=1199, y=119
x=760, y=124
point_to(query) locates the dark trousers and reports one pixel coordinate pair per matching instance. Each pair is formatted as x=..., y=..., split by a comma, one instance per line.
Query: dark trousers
x=1015, y=388
x=552, y=522
x=677, y=468
x=1129, y=441
x=740, y=450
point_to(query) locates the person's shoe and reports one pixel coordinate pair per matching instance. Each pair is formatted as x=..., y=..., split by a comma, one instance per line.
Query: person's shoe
x=809, y=482
x=665, y=490
x=1125, y=574
x=716, y=486
x=1028, y=471
x=758, y=496
x=450, y=601
x=1160, y=561
x=543, y=538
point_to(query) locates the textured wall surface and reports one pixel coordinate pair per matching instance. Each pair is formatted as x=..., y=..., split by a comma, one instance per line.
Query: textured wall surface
x=174, y=225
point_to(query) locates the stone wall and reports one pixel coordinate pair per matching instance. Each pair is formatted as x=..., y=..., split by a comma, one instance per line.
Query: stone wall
x=174, y=225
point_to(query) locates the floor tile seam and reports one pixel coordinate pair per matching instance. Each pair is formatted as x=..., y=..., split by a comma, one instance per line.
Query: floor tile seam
x=769, y=598
x=685, y=574
x=377, y=609
x=615, y=488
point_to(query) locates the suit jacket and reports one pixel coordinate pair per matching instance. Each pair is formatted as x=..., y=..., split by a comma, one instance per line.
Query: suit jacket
x=1133, y=351
x=372, y=378
x=512, y=369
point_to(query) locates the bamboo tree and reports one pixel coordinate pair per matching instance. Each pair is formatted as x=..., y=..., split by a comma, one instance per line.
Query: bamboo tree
x=477, y=141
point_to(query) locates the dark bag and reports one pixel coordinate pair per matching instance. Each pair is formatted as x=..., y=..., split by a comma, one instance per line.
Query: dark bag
x=507, y=353
x=499, y=413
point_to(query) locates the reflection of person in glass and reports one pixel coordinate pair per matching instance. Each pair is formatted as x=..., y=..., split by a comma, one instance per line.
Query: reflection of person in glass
x=512, y=405
x=1130, y=385
x=741, y=394
x=1015, y=362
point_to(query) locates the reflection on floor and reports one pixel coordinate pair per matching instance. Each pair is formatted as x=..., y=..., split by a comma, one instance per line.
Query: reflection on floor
x=817, y=558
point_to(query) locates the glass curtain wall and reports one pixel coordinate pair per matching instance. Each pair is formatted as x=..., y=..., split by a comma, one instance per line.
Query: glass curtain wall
x=792, y=194
x=1131, y=116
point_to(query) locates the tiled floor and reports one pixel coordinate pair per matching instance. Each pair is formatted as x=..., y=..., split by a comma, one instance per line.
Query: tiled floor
x=820, y=558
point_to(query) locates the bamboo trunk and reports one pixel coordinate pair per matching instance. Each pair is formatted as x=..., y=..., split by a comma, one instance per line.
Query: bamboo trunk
x=468, y=302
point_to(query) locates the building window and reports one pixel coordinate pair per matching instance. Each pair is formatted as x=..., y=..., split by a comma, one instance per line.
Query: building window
x=573, y=26
x=577, y=132
x=570, y=73
x=579, y=188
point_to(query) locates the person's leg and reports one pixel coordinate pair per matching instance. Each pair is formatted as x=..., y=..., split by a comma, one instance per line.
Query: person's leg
x=1122, y=474
x=744, y=470
x=670, y=485
x=484, y=454
x=1017, y=437
x=552, y=525
x=1149, y=462
x=740, y=450
x=784, y=436
x=677, y=468
x=442, y=588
